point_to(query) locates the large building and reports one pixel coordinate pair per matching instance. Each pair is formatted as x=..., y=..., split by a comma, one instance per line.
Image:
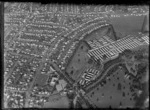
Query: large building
x=111, y=50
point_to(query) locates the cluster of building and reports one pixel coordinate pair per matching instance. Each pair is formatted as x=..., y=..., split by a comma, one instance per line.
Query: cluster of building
x=14, y=99
x=20, y=80
x=96, y=43
x=21, y=76
x=88, y=75
x=79, y=34
x=46, y=84
x=146, y=39
x=9, y=62
x=37, y=101
x=51, y=79
x=112, y=50
x=35, y=32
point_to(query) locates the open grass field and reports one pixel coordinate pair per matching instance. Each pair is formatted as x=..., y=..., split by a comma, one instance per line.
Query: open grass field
x=115, y=92
x=57, y=101
x=78, y=61
x=41, y=79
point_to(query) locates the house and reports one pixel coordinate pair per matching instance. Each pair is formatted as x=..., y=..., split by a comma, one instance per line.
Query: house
x=62, y=84
x=53, y=81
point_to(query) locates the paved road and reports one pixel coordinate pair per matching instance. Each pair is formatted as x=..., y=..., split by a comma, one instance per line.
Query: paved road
x=86, y=101
x=62, y=73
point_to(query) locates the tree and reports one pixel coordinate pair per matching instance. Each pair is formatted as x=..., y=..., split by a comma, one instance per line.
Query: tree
x=90, y=61
x=98, y=63
x=127, y=53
